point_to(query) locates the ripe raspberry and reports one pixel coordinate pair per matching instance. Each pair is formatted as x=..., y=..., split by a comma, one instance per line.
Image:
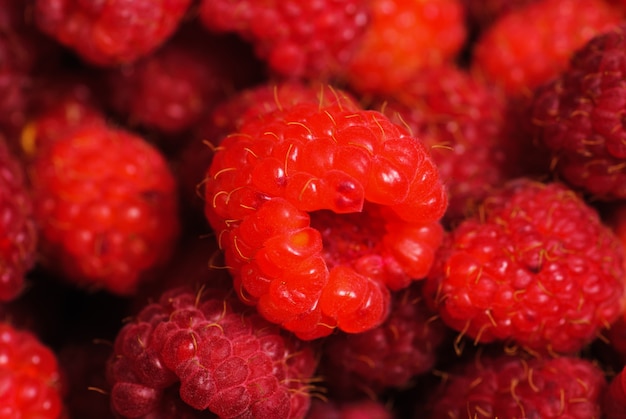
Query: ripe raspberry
x=579, y=117
x=223, y=356
x=461, y=120
x=172, y=88
x=30, y=381
x=388, y=356
x=505, y=386
x=18, y=237
x=533, y=44
x=296, y=38
x=288, y=197
x=110, y=32
x=403, y=37
x=106, y=205
x=536, y=267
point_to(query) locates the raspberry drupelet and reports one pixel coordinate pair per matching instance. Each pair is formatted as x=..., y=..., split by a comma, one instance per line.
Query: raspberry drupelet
x=216, y=353
x=321, y=208
x=535, y=267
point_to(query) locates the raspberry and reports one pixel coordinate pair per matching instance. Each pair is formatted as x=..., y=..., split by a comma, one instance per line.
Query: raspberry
x=106, y=205
x=506, y=386
x=288, y=196
x=110, y=32
x=18, y=238
x=461, y=120
x=403, y=37
x=172, y=88
x=535, y=266
x=388, y=356
x=223, y=356
x=29, y=376
x=578, y=117
x=296, y=38
x=532, y=45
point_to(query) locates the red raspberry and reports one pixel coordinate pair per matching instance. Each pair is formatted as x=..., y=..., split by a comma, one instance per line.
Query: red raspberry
x=18, y=237
x=106, y=205
x=288, y=197
x=579, y=117
x=297, y=38
x=387, y=357
x=222, y=356
x=110, y=32
x=403, y=37
x=461, y=120
x=30, y=380
x=172, y=88
x=505, y=386
x=533, y=44
x=535, y=266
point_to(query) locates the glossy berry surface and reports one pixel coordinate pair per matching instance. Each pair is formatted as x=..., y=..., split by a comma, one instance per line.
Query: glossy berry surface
x=269, y=184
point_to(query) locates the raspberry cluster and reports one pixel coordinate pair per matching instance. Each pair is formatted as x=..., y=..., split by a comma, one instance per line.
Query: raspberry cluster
x=339, y=209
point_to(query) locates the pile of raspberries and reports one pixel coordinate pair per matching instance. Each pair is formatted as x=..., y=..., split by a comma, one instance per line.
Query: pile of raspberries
x=329, y=209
